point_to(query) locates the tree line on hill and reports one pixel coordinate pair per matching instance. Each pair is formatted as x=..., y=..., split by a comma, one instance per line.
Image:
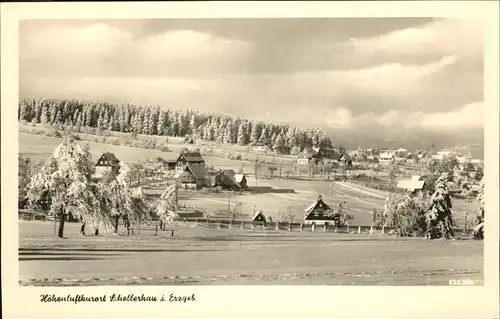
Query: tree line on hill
x=154, y=120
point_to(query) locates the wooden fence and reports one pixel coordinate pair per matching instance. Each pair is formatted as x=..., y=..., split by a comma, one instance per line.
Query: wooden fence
x=249, y=225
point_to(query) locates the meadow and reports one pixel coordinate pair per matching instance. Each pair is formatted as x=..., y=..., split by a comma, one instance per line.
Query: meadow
x=203, y=256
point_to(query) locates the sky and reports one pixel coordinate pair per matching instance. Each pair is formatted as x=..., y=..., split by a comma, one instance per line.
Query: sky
x=364, y=80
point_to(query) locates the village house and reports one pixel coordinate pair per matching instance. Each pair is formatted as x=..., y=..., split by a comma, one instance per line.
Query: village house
x=261, y=148
x=401, y=152
x=345, y=160
x=386, y=158
x=310, y=155
x=259, y=218
x=441, y=155
x=412, y=159
x=192, y=159
x=106, y=165
x=193, y=176
x=318, y=213
x=166, y=164
x=413, y=185
x=226, y=178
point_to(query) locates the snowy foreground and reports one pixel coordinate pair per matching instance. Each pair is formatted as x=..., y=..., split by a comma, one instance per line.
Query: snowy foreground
x=200, y=256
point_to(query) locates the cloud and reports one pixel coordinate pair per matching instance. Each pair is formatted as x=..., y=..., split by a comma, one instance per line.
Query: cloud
x=188, y=44
x=104, y=47
x=65, y=42
x=386, y=81
x=467, y=117
x=462, y=37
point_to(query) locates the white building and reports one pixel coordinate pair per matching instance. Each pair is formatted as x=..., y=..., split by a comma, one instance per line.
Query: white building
x=386, y=158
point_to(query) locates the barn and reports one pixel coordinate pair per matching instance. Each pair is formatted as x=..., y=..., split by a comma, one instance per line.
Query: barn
x=319, y=213
x=107, y=164
x=192, y=159
x=193, y=176
x=226, y=178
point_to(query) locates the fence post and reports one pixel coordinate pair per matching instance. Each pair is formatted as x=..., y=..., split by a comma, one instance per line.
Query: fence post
x=156, y=228
x=230, y=224
x=312, y=227
x=371, y=229
x=241, y=226
x=277, y=226
x=218, y=225
x=301, y=227
x=359, y=229
x=324, y=228
x=336, y=229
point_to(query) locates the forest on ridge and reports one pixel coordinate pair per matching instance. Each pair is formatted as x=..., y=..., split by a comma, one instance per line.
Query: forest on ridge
x=155, y=120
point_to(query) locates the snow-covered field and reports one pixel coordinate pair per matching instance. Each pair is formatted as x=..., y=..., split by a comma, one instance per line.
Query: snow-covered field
x=233, y=256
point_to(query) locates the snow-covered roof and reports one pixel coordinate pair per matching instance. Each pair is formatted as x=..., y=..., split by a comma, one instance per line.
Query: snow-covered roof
x=239, y=177
x=257, y=213
x=411, y=184
x=315, y=203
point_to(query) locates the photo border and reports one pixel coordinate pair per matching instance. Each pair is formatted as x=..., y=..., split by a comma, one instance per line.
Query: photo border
x=226, y=301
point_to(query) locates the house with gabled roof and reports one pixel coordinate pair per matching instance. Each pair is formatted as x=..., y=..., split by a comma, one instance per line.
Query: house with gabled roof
x=193, y=176
x=259, y=217
x=345, y=160
x=189, y=158
x=226, y=178
x=414, y=184
x=310, y=155
x=318, y=213
x=167, y=164
x=107, y=164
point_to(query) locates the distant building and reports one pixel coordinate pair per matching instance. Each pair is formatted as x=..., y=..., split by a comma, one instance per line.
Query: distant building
x=167, y=164
x=401, y=152
x=412, y=185
x=318, y=213
x=412, y=159
x=441, y=155
x=345, y=160
x=386, y=158
x=192, y=159
x=310, y=155
x=106, y=165
x=261, y=148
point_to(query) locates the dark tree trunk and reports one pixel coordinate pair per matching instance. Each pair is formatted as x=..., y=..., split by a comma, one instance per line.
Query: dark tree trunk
x=61, y=225
x=96, y=232
x=82, y=229
x=117, y=217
